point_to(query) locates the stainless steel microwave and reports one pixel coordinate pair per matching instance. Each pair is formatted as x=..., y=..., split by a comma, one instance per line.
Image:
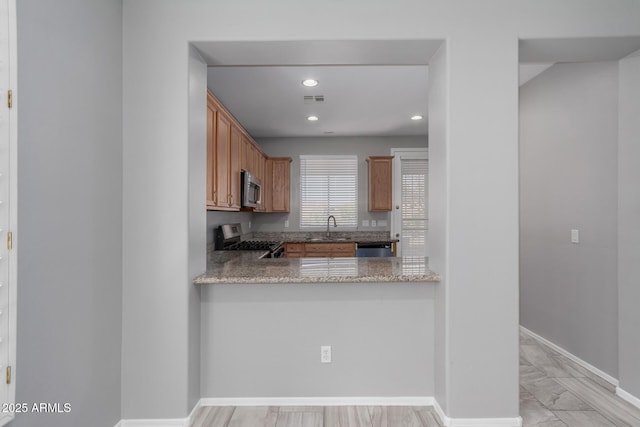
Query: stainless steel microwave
x=251, y=190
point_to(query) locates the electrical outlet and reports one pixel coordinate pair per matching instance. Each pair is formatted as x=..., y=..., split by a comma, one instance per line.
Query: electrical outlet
x=365, y=222
x=575, y=236
x=373, y=223
x=286, y=223
x=325, y=354
x=249, y=225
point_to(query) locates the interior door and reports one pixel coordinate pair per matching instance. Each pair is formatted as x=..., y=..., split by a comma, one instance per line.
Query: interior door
x=409, y=217
x=8, y=189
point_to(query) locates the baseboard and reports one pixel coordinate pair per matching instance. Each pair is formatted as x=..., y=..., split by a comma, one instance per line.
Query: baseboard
x=628, y=397
x=173, y=422
x=571, y=356
x=319, y=401
x=485, y=422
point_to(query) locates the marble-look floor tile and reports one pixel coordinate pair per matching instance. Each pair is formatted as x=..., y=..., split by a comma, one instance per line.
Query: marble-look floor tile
x=555, y=397
x=542, y=360
x=257, y=416
x=532, y=412
x=526, y=339
x=583, y=419
x=347, y=416
x=621, y=413
x=427, y=417
x=394, y=416
x=578, y=371
x=530, y=374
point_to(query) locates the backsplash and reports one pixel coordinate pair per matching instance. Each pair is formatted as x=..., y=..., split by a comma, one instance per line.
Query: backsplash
x=302, y=235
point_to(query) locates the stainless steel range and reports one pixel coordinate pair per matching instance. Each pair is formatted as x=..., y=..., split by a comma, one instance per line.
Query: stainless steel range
x=227, y=237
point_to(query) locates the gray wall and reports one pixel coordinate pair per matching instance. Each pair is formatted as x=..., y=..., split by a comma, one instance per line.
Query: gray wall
x=629, y=224
x=264, y=340
x=437, y=243
x=70, y=210
x=360, y=146
x=568, y=179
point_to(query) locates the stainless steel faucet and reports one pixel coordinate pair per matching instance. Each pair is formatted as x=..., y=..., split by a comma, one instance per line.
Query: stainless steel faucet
x=334, y=224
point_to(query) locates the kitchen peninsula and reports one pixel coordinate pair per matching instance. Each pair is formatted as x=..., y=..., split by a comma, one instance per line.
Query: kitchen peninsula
x=246, y=267
x=256, y=266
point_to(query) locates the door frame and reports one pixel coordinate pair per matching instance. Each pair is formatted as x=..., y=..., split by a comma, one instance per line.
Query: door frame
x=9, y=7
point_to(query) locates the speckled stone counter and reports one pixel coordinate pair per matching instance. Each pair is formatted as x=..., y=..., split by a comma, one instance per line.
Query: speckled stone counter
x=228, y=267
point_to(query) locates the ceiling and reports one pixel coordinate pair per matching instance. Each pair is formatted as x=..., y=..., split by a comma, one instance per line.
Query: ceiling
x=348, y=101
x=369, y=87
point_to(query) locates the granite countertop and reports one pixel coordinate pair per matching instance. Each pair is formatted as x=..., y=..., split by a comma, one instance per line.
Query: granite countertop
x=237, y=267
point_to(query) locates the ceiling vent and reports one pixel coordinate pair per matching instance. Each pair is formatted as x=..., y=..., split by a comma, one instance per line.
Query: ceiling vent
x=310, y=99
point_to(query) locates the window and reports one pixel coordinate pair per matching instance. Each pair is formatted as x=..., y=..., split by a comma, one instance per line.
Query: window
x=328, y=186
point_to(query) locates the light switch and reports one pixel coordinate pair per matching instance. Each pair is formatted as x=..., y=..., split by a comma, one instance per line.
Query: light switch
x=373, y=223
x=382, y=223
x=286, y=223
x=575, y=236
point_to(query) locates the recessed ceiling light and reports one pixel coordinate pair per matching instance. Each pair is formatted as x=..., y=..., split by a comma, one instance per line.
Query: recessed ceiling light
x=417, y=117
x=312, y=118
x=310, y=83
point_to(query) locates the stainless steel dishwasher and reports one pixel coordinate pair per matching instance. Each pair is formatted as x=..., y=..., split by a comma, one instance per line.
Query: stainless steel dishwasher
x=374, y=249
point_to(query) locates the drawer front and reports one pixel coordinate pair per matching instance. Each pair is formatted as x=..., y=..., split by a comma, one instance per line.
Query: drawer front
x=294, y=247
x=330, y=247
x=293, y=254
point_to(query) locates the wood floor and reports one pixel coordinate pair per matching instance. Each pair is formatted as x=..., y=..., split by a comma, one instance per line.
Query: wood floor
x=554, y=392
x=315, y=416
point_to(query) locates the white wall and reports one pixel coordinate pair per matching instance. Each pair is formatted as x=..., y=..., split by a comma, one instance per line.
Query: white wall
x=70, y=210
x=359, y=146
x=629, y=224
x=264, y=340
x=568, y=180
x=481, y=171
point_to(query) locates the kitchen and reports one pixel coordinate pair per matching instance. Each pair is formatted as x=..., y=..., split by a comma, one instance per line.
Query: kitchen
x=273, y=103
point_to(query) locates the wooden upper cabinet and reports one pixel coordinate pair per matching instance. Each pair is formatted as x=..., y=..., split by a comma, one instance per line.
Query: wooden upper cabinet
x=380, y=183
x=230, y=150
x=211, y=149
x=278, y=184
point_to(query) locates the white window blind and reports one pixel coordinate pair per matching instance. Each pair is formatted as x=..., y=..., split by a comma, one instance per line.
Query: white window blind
x=328, y=186
x=414, y=175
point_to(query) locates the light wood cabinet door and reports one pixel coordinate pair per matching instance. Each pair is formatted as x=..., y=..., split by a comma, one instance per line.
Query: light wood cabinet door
x=223, y=153
x=211, y=150
x=294, y=250
x=380, y=183
x=279, y=181
x=234, y=167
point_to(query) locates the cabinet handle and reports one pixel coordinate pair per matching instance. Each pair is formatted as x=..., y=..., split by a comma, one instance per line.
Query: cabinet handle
x=215, y=197
x=229, y=199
